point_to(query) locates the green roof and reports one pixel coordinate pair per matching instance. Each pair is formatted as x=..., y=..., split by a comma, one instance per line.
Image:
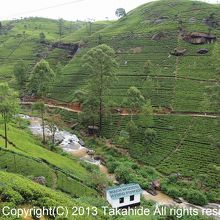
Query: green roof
x=124, y=190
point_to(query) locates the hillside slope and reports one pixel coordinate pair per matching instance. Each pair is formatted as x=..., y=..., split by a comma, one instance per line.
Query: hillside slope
x=27, y=157
x=150, y=33
x=180, y=40
x=16, y=191
x=169, y=34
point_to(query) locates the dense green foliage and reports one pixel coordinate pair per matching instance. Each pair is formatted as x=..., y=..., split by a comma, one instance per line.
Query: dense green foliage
x=144, y=147
x=101, y=65
x=27, y=157
x=41, y=79
x=17, y=190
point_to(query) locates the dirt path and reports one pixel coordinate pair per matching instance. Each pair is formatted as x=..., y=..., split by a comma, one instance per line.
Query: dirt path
x=76, y=109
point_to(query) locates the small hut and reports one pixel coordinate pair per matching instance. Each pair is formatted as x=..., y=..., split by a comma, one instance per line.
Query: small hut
x=124, y=195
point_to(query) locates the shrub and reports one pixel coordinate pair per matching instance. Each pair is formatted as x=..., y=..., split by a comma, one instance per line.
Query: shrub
x=131, y=128
x=196, y=197
x=123, y=173
x=173, y=192
x=9, y=195
x=149, y=135
x=112, y=165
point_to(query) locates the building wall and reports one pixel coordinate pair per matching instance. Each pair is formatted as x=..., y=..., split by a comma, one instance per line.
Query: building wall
x=115, y=202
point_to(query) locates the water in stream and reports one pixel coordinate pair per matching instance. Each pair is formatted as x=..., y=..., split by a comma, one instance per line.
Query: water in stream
x=70, y=143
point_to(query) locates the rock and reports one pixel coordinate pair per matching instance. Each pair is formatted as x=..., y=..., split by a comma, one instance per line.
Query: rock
x=211, y=22
x=136, y=50
x=72, y=48
x=177, y=175
x=178, y=52
x=156, y=184
x=159, y=36
x=172, y=5
x=192, y=20
x=202, y=51
x=152, y=192
x=81, y=142
x=100, y=158
x=178, y=200
x=40, y=180
x=160, y=19
x=118, y=110
x=90, y=152
x=199, y=38
x=93, y=130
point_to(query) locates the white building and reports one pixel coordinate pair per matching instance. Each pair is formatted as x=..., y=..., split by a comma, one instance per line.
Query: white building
x=124, y=195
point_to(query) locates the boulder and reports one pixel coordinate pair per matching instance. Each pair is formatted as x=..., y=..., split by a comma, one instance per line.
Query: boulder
x=202, y=51
x=192, y=20
x=178, y=52
x=40, y=180
x=198, y=37
x=93, y=130
x=159, y=36
x=160, y=19
x=90, y=152
x=81, y=142
x=177, y=175
x=72, y=48
x=152, y=192
x=178, y=200
x=172, y=5
x=100, y=158
x=155, y=184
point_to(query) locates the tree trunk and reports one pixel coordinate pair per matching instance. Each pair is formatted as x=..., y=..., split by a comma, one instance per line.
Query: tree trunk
x=6, y=136
x=53, y=139
x=100, y=116
x=100, y=102
x=43, y=127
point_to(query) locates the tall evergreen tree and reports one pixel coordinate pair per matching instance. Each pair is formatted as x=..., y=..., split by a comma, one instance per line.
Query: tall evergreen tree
x=41, y=79
x=21, y=76
x=101, y=65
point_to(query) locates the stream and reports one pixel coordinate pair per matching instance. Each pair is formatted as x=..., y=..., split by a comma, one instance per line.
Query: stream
x=70, y=143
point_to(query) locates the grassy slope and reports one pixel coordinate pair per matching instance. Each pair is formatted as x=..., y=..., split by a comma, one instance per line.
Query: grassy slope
x=30, y=159
x=21, y=191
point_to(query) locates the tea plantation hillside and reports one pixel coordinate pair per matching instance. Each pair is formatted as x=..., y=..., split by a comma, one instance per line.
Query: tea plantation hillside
x=20, y=40
x=180, y=41
x=27, y=157
x=19, y=191
x=150, y=33
x=170, y=51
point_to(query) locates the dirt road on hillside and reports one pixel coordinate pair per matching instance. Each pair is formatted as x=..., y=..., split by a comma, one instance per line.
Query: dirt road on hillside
x=77, y=109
